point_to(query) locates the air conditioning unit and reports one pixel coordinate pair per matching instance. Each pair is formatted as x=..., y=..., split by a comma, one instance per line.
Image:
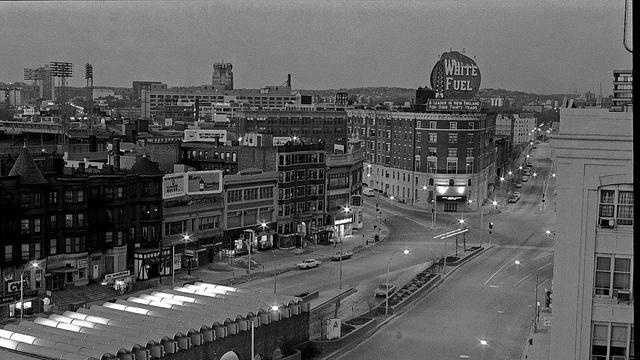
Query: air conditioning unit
x=623, y=296
x=607, y=223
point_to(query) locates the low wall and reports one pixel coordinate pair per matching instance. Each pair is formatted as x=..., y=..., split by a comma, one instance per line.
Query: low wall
x=355, y=336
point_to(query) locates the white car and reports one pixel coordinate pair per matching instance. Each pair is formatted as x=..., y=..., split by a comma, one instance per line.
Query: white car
x=525, y=178
x=381, y=290
x=308, y=264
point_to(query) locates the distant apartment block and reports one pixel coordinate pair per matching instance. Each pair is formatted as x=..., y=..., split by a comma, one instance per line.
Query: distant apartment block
x=222, y=76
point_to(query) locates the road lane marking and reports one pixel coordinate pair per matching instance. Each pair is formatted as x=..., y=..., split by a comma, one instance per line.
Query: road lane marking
x=501, y=268
x=531, y=274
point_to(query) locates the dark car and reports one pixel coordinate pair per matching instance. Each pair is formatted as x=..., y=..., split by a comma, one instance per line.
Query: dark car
x=344, y=255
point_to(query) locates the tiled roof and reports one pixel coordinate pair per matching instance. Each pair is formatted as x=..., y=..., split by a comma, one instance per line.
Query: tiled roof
x=27, y=169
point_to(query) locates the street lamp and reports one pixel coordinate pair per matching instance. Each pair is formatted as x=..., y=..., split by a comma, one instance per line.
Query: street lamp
x=35, y=266
x=520, y=167
x=553, y=174
x=386, y=282
x=185, y=238
x=535, y=174
x=510, y=172
x=346, y=210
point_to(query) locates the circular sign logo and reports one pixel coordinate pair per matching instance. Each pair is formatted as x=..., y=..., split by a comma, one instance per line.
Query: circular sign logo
x=455, y=76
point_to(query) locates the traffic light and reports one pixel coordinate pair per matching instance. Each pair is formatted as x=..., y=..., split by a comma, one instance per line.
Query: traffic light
x=490, y=227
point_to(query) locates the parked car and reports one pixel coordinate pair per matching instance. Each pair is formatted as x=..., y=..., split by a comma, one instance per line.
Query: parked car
x=308, y=264
x=518, y=185
x=344, y=255
x=525, y=178
x=513, y=198
x=527, y=171
x=381, y=290
x=517, y=193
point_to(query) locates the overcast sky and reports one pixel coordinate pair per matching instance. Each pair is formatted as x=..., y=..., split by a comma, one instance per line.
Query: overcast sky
x=539, y=46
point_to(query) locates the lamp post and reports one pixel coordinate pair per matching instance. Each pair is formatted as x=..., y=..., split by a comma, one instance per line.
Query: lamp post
x=35, y=266
x=185, y=239
x=346, y=210
x=386, y=283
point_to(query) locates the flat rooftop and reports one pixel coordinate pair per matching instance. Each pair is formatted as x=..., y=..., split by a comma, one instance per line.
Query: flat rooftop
x=139, y=319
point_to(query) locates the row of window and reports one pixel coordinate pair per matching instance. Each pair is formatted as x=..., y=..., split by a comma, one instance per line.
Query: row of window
x=33, y=251
x=299, y=159
x=612, y=341
x=300, y=175
x=613, y=277
x=616, y=206
x=33, y=225
x=300, y=191
x=250, y=217
x=210, y=155
x=250, y=194
x=202, y=223
x=300, y=207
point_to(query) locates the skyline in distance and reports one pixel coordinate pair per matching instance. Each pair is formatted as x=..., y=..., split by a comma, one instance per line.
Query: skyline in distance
x=546, y=47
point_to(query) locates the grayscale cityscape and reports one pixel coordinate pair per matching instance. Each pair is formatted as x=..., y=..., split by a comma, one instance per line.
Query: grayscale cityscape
x=310, y=180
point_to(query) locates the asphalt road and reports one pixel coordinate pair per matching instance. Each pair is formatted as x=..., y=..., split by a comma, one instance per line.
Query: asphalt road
x=491, y=298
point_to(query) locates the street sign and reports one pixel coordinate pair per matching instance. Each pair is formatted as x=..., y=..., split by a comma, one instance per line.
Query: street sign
x=333, y=328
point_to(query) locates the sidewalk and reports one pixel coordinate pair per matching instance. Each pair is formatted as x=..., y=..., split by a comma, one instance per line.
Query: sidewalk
x=538, y=343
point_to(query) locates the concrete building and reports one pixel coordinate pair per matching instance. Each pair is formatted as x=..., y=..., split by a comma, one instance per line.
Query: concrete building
x=222, y=76
x=138, y=86
x=344, y=192
x=622, y=89
x=523, y=125
x=301, y=193
x=250, y=203
x=593, y=258
x=416, y=157
x=310, y=123
x=180, y=105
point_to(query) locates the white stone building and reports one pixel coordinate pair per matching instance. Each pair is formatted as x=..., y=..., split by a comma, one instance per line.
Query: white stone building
x=593, y=264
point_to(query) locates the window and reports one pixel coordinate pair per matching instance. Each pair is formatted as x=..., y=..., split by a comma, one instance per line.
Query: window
x=234, y=196
x=8, y=253
x=469, y=152
x=453, y=138
x=24, y=226
x=80, y=196
x=53, y=197
x=53, y=246
x=432, y=124
x=68, y=220
x=614, y=339
x=209, y=222
x=175, y=227
x=616, y=207
x=119, y=192
x=251, y=194
x=68, y=197
x=433, y=137
x=452, y=152
x=36, y=251
x=613, y=277
x=452, y=166
x=25, y=251
x=81, y=219
x=471, y=125
x=431, y=166
x=36, y=225
x=108, y=237
x=453, y=125
x=266, y=192
x=432, y=151
x=52, y=222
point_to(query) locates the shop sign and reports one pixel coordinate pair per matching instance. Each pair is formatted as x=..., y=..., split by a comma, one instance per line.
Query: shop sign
x=333, y=328
x=452, y=198
x=455, y=76
x=452, y=105
x=14, y=286
x=342, y=221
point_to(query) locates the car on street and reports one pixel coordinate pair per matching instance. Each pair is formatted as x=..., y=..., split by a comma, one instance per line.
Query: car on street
x=368, y=192
x=341, y=255
x=513, y=198
x=308, y=264
x=527, y=171
x=529, y=165
x=518, y=185
x=525, y=178
x=517, y=193
x=381, y=290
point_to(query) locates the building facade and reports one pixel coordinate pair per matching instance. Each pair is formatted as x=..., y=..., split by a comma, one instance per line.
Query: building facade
x=250, y=203
x=523, y=126
x=301, y=193
x=222, y=76
x=180, y=105
x=343, y=194
x=417, y=158
x=593, y=256
x=79, y=227
x=622, y=89
x=228, y=158
x=310, y=124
